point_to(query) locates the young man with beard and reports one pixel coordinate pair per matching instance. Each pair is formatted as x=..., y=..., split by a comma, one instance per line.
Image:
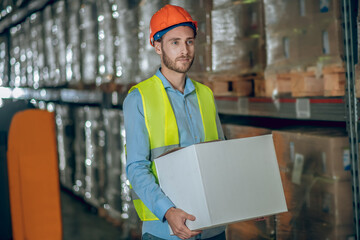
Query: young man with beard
x=166, y=111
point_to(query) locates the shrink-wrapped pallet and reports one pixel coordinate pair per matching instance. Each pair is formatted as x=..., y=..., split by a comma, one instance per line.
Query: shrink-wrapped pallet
x=125, y=19
x=38, y=49
x=200, y=12
x=4, y=61
x=28, y=66
x=117, y=192
x=51, y=76
x=105, y=42
x=79, y=147
x=7, y=7
x=59, y=40
x=149, y=60
x=73, y=57
x=17, y=57
x=303, y=33
x=304, y=40
x=238, y=38
x=314, y=167
x=65, y=138
x=89, y=41
x=94, y=156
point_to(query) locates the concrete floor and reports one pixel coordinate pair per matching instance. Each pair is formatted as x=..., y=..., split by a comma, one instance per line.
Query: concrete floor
x=80, y=221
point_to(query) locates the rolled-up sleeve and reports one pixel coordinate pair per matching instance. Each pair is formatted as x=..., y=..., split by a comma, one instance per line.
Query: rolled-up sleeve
x=138, y=157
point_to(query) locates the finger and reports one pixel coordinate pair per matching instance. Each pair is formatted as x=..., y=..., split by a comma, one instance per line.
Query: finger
x=194, y=233
x=191, y=217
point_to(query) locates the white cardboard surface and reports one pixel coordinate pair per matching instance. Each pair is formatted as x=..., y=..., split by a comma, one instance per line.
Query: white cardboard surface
x=223, y=182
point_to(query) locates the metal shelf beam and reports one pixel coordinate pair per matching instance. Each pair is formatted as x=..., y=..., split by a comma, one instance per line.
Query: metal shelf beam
x=325, y=109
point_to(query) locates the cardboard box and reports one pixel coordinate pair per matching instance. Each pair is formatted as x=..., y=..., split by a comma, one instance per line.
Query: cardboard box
x=330, y=201
x=324, y=152
x=232, y=131
x=224, y=181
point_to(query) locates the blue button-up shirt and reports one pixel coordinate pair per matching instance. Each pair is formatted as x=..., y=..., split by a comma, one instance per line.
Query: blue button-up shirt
x=191, y=131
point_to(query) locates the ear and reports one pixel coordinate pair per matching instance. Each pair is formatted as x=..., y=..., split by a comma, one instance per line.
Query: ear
x=157, y=46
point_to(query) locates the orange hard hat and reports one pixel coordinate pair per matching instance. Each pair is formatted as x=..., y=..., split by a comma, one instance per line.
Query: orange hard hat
x=167, y=17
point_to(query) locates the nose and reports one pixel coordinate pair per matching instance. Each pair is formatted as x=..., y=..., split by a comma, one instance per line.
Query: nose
x=184, y=48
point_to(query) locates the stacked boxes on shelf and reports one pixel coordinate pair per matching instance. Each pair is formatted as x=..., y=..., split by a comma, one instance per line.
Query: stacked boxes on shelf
x=92, y=160
x=79, y=44
x=253, y=229
x=314, y=166
x=238, y=46
x=304, y=48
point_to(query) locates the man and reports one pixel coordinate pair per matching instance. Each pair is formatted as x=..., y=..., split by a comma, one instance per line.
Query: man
x=165, y=111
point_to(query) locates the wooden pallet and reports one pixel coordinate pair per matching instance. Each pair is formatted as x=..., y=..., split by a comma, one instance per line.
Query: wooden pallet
x=330, y=82
x=233, y=85
x=334, y=81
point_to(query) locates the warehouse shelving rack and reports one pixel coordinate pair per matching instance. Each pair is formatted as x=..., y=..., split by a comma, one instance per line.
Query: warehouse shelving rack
x=335, y=109
x=351, y=102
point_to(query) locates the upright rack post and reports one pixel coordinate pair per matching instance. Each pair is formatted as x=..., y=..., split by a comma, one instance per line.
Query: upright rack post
x=352, y=118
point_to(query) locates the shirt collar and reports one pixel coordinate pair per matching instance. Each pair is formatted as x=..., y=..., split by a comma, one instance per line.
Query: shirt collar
x=189, y=86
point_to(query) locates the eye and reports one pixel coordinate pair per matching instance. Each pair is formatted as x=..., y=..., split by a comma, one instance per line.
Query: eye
x=190, y=42
x=174, y=42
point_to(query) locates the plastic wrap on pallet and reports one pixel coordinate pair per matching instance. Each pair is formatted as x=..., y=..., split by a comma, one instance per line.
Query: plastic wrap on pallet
x=126, y=49
x=37, y=47
x=29, y=53
x=201, y=12
x=50, y=74
x=117, y=192
x=65, y=136
x=105, y=42
x=73, y=58
x=149, y=60
x=79, y=147
x=17, y=57
x=89, y=41
x=7, y=7
x=314, y=169
x=4, y=61
x=59, y=41
x=237, y=39
x=222, y=3
x=94, y=156
x=302, y=34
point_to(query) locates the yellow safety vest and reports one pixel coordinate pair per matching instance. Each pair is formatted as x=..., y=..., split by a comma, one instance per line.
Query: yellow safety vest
x=162, y=128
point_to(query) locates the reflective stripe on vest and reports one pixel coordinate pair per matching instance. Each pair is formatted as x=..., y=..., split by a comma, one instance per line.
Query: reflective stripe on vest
x=162, y=128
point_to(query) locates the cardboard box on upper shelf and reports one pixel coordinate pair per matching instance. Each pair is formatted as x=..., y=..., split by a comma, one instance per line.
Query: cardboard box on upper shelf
x=223, y=182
